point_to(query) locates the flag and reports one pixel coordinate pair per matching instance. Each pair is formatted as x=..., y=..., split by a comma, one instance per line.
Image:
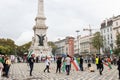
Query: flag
x=108, y=64
x=30, y=53
x=111, y=51
x=63, y=67
x=75, y=64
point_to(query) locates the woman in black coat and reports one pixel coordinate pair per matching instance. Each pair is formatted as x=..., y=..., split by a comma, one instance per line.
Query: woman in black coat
x=118, y=63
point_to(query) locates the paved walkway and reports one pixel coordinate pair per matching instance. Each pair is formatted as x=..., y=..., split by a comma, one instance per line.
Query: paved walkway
x=20, y=71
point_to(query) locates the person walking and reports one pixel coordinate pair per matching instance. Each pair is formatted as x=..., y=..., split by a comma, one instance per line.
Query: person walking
x=118, y=64
x=81, y=63
x=100, y=65
x=47, y=62
x=68, y=62
x=7, y=66
x=58, y=65
x=31, y=61
x=96, y=62
x=1, y=66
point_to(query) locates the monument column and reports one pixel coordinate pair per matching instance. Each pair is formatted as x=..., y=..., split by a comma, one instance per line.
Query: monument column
x=40, y=28
x=39, y=42
x=40, y=8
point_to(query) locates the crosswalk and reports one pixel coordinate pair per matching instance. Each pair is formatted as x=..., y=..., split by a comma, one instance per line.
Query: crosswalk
x=20, y=71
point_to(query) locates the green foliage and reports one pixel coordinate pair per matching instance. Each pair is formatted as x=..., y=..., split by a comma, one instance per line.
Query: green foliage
x=117, y=49
x=53, y=46
x=97, y=41
x=7, y=42
x=7, y=46
x=20, y=50
x=118, y=40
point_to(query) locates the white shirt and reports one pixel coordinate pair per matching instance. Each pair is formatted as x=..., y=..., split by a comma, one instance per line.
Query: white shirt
x=47, y=62
x=67, y=59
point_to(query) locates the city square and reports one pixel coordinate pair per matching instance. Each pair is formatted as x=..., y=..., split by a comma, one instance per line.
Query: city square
x=40, y=35
x=20, y=71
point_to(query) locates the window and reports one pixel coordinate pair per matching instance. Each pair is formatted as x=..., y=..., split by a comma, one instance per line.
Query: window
x=108, y=36
x=111, y=36
x=104, y=38
x=116, y=23
x=111, y=28
x=108, y=42
x=117, y=31
x=111, y=41
x=108, y=30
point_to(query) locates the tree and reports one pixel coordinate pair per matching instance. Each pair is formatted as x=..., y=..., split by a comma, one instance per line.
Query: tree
x=54, y=47
x=97, y=41
x=7, y=46
x=20, y=50
x=117, y=48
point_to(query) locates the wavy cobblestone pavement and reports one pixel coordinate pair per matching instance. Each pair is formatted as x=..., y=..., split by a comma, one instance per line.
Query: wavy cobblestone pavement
x=20, y=71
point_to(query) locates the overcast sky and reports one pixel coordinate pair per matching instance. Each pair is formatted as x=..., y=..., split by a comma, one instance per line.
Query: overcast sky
x=64, y=17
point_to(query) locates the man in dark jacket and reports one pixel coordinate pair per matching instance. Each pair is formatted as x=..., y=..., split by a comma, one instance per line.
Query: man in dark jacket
x=81, y=63
x=31, y=61
x=118, y=63
x=58, y=65
x=100, y=65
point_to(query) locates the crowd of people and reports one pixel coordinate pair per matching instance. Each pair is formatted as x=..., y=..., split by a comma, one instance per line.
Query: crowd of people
x=62, y=63
x=66, y=62
x=5, y=64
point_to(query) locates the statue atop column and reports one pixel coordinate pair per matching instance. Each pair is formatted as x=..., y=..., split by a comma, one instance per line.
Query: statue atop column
x=41, y=38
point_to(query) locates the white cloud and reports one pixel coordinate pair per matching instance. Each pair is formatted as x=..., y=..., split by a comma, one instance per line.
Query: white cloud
x=24, y=38
x=64, y=17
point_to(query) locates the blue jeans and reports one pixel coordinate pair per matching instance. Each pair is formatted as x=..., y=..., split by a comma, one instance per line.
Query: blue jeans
x=68, y=69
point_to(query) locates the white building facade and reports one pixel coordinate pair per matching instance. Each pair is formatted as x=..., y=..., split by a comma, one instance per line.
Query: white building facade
x=77, y=45
x=65, y=46
x=107, y=33
x=85, y=46
x=116, y=28
x=109, y=29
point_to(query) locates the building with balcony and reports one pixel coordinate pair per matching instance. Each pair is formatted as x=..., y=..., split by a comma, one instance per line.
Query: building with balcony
x=109, y=29
x=116, y=28
x=107, y=34
x=65, y=46
x=85, y=46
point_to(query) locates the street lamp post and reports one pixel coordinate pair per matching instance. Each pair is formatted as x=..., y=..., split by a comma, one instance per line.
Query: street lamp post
x=78, y=39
